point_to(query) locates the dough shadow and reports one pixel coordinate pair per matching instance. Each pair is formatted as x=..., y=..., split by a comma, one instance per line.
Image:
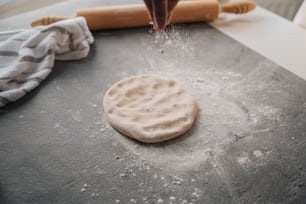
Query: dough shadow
x=189, y=133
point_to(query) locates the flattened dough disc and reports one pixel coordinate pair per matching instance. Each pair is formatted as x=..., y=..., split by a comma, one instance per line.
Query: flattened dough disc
x=149, y=109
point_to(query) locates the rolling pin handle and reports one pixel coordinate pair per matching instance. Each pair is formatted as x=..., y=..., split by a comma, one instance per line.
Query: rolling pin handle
x=46, y=20
x=238, y=7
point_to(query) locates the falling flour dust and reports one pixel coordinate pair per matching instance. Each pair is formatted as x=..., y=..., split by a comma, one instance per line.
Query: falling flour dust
x=226, y=114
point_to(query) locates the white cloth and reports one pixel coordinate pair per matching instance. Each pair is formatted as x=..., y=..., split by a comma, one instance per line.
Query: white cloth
x=300, y=18
x=27, y=57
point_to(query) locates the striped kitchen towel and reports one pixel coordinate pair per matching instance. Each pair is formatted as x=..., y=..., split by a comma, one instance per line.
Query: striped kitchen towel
x=27, y=57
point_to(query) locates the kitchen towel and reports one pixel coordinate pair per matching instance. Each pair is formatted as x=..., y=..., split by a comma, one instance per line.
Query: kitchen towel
x=27, y=57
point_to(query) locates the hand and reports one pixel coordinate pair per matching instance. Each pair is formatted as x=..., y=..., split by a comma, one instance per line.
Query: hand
x=160, y=12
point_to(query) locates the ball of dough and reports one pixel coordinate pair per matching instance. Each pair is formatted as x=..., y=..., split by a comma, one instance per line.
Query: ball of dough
x=149, y=109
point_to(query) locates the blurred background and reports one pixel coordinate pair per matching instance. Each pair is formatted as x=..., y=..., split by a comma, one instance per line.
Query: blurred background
x=14, y=7
x=284, y=8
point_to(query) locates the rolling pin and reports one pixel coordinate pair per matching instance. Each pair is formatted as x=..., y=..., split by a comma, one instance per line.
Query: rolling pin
x=137, y=15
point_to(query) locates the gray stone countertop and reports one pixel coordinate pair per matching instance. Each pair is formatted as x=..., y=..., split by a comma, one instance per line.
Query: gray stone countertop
x=248, y=144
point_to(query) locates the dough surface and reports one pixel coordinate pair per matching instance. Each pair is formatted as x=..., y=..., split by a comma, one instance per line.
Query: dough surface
x=149, y=109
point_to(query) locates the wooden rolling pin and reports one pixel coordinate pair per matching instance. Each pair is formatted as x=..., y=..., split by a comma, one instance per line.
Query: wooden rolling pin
x=136, y=15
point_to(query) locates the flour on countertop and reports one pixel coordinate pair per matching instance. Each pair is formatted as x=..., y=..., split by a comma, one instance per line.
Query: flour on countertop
x=227, y=112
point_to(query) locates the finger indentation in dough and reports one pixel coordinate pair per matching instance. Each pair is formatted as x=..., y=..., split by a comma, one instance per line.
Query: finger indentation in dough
x=149, y=109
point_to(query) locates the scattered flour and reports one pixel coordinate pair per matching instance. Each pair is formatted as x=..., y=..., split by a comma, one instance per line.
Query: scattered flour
x=259, y=158
x=227, y=114
x=243, y=160
x=258, y=153
x=172, y=200
x=160, y=201
x=227, y=111
x=133, y=200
